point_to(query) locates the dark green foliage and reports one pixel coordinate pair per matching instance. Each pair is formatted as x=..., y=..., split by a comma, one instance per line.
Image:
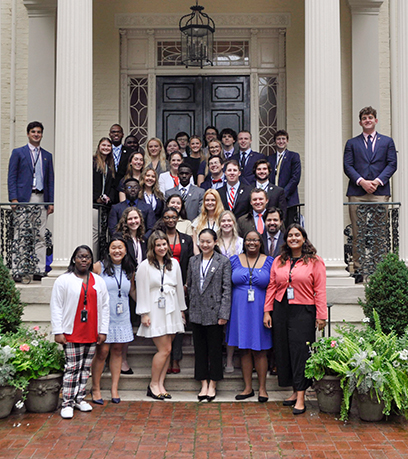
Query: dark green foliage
x=387, y=293
x=11, y=307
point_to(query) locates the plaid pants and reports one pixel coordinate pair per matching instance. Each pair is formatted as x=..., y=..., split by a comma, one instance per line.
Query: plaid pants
x=78, y=360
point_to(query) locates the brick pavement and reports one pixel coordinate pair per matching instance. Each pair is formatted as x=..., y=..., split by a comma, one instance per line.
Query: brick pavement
x=157, y=430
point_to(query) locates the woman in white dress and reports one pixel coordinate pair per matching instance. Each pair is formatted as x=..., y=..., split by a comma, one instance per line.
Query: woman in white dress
x=160, y=302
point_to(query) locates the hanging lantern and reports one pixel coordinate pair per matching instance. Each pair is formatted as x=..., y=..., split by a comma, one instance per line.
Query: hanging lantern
x=197, y=36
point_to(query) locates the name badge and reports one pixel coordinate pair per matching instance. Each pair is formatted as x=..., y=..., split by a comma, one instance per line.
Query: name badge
x=162, y=302
x=291, y=293
x=251, y=295
x=84, y=315
x=119, y=308
x=34, y=182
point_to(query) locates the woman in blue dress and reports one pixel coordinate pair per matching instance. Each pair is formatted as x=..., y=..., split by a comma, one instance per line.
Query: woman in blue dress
x=245, y=330
x=117, y=272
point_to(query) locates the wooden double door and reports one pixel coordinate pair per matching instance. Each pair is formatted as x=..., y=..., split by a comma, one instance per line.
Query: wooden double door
x=190, y=104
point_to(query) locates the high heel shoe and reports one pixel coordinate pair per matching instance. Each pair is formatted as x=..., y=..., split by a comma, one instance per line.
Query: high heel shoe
x=115, y=400
x=97, y=402
x=201, y=397
x=210, y=398
x=149, y=393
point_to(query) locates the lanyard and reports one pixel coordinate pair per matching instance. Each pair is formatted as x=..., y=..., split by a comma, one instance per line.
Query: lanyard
x=292, y=265
x=174, y=243
x=251, y=270
x=119, y=283
x=204, y=271
x=85, y=290
x=36, y=160
x=208, y=224
x=162, y=278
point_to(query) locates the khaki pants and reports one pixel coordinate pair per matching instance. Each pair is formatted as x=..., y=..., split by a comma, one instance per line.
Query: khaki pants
x=354, y=218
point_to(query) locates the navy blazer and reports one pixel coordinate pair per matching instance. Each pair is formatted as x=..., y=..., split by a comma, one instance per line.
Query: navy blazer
x=289, y=176
x=357, y=163
x=241, y=206
x=276, y=252
x=117, y=211
x=247, y=171
x=20, y=175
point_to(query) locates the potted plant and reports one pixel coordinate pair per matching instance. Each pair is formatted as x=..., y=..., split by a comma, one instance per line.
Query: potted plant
x=319, y=366
x=38, y=365
x=7, y=389
x=374, y=366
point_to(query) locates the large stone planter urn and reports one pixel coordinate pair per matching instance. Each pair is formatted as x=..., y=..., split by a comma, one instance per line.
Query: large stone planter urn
x=7, y=394
x=369, y=409
x=43, y=393
x=329, y=394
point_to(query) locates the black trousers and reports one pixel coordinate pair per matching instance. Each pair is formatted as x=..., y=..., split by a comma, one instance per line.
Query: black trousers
x=293, y=327
x=208, y=351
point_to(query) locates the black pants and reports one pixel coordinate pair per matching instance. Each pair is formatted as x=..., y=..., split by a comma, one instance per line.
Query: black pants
x=208, y=351
x=293, y=327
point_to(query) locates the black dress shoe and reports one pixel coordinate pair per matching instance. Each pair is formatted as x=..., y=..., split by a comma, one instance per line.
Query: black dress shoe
x=167, y=395
x=17, y=278
x=289, y=402
x=210, y=398
x=296, y=411
x=39, y=276
x=149, y=393
x=244, y=396
x=201, y=398
x=262, y=399
x=126, y=372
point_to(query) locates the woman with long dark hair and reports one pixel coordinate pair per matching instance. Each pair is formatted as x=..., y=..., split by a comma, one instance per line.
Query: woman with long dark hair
x=80, y=320
x=296, y=298
x=118, y=273
x=134, y=170
x=183, y=224
x=160, y=302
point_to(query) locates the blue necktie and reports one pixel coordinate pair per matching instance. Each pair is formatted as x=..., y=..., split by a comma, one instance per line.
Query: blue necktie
x=369, y=147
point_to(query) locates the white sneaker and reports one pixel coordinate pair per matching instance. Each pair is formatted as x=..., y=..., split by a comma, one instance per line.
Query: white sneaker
x=67, y=412
x=83, y=406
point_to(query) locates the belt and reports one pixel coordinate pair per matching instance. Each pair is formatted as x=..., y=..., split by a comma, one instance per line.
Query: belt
x=37, y=191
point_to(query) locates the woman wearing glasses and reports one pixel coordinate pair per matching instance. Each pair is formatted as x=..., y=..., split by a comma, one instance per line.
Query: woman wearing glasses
x=245, y=330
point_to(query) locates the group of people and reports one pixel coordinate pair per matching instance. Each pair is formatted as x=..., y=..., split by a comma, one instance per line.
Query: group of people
x=200, y=230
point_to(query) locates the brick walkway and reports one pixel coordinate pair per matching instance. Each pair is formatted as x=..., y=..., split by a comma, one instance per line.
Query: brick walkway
x=159, y=430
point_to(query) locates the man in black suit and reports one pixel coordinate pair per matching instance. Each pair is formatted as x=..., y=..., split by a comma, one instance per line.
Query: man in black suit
x=253, y=219
x=132, y=189
x=276, y=194
x=273, y=236
x=234, y=194
x=246, y=157
x=228, y=138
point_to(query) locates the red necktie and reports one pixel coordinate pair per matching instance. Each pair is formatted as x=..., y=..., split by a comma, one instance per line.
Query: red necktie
x=260, y=226
x=231, y=198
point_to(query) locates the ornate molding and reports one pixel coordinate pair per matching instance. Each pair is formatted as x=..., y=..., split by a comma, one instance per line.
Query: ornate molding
x=147, y=21
x=40, y=8
x=365, y=6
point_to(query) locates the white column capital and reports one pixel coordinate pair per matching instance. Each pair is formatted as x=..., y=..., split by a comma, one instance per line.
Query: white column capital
x=40, y=8
x=365, y=6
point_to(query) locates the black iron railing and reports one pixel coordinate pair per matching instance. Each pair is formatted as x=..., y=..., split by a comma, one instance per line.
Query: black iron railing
x=377, y=235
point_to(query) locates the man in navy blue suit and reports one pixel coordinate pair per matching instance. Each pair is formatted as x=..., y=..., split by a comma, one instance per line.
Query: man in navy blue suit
x=286, y=171
x=370, y=160
x=31, y=179
x=246, y=157
x=132, y=189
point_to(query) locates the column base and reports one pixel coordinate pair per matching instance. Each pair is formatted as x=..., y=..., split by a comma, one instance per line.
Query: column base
x=336, y=273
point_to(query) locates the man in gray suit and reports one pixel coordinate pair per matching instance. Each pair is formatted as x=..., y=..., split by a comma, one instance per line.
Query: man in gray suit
x=191, y=194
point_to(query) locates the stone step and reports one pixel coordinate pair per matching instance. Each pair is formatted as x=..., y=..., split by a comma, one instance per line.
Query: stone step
x=184, y=381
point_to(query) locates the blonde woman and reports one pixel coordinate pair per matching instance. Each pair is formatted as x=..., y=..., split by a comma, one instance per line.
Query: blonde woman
x=156, y=156
x=210, y=213
x=230, y=244
x=150, y=191
x=196, y=156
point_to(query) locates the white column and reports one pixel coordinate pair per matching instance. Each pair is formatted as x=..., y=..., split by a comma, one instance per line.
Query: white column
x=323, y=141
x=73, y=131
x=400, y=99
x=365, y=56
x=41, y=66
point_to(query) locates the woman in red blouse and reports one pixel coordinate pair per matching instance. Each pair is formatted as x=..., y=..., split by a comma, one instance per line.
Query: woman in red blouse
x=295, y=305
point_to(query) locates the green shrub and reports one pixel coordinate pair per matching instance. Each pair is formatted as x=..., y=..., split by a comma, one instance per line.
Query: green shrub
x=387, y=293
x=11, y=307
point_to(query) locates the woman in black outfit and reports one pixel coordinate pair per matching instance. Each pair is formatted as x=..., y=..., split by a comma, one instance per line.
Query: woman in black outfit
x=181, y=246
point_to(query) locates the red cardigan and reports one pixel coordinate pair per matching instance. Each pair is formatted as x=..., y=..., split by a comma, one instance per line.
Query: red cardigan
x=308, y=282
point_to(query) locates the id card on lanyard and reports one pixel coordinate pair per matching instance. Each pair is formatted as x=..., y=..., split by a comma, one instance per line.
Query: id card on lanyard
x=162, y=299
x=251, y=291
x=290, y=292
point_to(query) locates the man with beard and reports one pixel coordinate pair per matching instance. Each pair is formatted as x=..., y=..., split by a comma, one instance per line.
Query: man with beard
x=273, y=236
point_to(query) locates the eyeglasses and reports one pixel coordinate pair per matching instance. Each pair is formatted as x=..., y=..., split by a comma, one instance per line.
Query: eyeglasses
x=134, y=187
x=170, y=218
x=254, y=241
x=83, y=257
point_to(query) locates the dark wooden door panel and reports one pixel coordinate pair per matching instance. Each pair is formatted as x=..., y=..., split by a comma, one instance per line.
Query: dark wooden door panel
x=191, y=103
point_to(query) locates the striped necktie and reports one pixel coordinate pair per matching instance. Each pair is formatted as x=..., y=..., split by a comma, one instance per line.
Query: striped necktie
x=231, y=198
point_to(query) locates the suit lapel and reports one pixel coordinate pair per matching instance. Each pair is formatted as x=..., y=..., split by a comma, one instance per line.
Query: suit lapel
x=27, y=153
x=363, y=146
x=210, y=273
x=377, y=145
